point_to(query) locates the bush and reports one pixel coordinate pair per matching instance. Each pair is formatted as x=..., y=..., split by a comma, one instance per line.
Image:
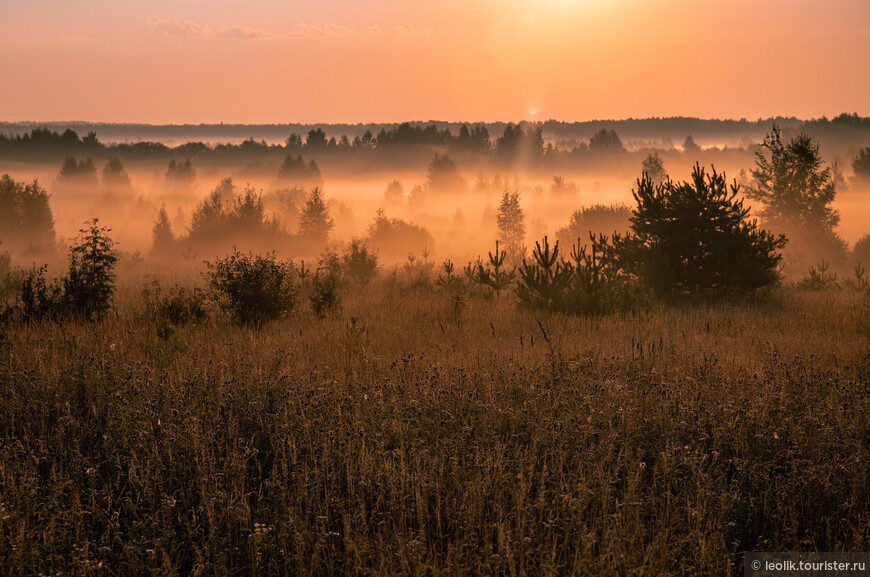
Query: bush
x=323, y=294
x=595, y=219
x=359, y=262
x=394, y=238
x=818, y=278
x=252, y=289
x=39, y=299
x=180, y=306
x=694, y=238
x=90, y=282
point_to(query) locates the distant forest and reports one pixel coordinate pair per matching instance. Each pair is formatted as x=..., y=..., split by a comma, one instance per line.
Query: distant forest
x=845, y=133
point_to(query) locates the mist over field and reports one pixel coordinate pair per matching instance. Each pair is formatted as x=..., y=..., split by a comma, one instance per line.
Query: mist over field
x=468, y=287
x=557, y=171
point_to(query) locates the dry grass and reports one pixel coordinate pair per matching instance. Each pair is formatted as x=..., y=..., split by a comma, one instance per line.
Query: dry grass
x=404, y=436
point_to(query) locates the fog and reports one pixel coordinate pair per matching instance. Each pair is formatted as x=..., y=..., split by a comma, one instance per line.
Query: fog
x=456, y=206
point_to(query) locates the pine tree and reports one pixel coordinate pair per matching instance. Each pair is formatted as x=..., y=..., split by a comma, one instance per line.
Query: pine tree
x=695, y=238
x=163, y=240
x=315, y=223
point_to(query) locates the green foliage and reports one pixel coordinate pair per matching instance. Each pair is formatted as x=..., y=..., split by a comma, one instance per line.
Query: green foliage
x=26, y=221
x=90, y=282
x=695, y=238
x=359, y=263
x=252, y=289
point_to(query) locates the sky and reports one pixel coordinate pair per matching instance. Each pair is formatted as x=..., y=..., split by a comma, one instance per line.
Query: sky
x=349, y=61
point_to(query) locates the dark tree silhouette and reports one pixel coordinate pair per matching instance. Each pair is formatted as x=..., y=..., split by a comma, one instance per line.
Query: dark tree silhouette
x=114, y=176
x=654, y=167
x=861, y=164
x=162, y=237
x=695, y=238
x=26, y=221
x=315, y=222
x=606, y=140
x=295, y=171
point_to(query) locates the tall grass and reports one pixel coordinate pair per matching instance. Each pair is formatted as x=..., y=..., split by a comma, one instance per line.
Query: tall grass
x=399, y=437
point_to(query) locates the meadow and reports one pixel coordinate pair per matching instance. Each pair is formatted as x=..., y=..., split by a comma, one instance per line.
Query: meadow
x=410, y=432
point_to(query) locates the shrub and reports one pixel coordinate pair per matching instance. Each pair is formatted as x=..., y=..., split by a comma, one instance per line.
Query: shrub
x=694, y=238
x=359, y=263
x=39, y=299
x=180, y=306
x=252, y=289
x=394, y=238
x=544, y=281
x=90, y=283
x=496, y=277
x=323, y=294
x=595, y=219
x=818, y=279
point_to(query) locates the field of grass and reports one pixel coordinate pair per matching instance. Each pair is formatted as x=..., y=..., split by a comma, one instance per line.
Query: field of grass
x=411, y=434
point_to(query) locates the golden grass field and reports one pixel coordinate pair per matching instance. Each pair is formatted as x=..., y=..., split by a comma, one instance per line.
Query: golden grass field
x=410, y=434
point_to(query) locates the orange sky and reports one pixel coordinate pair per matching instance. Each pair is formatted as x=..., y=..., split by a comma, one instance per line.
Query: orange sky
x=274, y=61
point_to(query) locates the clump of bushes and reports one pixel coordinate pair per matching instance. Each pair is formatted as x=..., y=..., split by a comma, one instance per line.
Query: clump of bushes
x=323, y=292
x=178, y=306
x=689, y=238
x=88, y=287
x=360, y=263
x=253, y=289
